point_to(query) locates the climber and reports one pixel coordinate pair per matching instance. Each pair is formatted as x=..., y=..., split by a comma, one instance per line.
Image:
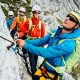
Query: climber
x=10, y=21
x=61, y=44
x=19, y=21
x=34, y=29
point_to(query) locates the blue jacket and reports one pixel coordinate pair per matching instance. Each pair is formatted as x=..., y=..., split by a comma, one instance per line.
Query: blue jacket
x=9, y=22
x=54, y=51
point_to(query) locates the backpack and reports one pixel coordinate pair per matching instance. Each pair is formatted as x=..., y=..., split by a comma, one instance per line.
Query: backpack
x=72, y=61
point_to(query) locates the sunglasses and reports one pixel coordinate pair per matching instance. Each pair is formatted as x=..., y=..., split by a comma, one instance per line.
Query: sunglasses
x=71, y=18
x=36, y=12
x=21, y=12
x=10, y=15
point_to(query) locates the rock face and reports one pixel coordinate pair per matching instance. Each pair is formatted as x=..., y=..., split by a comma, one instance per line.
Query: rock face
x=60, y=7
x=54, y=12
x=11, y=64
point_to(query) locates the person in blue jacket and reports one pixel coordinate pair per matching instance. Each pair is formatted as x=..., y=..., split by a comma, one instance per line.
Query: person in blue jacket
x=10, y=21
x=60, y=46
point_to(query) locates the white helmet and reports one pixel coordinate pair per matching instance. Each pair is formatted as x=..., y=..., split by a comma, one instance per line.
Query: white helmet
x=22, y=9
x=11, y=13
x=36, y=8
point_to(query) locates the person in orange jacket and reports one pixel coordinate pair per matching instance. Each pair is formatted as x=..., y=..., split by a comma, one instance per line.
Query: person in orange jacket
x=35, y=29
x=19, y=21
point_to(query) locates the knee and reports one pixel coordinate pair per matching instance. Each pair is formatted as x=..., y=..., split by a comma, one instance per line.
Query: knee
x=36, y=77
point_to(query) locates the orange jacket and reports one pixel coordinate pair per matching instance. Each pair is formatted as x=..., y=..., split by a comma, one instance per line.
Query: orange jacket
x=35, y=31
x=20, y=24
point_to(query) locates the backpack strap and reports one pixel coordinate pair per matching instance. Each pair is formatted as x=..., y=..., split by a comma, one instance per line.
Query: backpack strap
x=25, y=18
x=40, y=24
x=30, y=24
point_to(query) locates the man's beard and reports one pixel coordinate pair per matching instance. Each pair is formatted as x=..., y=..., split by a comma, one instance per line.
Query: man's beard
x=69, y=29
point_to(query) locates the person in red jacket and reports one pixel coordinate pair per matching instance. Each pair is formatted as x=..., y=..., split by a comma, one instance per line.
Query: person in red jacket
x=35, y=29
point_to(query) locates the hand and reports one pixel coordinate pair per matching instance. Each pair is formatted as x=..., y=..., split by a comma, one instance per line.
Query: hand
x=20, y=42
x=21, y=34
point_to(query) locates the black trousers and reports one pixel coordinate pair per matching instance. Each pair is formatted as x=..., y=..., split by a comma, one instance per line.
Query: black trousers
x=33, y=63
x=32, y=58
x=36, y=77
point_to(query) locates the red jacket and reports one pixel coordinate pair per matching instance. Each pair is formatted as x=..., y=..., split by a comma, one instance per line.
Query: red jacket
x=35, y=31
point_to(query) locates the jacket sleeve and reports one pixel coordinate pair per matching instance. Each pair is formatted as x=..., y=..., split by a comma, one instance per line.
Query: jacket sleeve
x=14, y=24
x=39, y=42
x=42, y=30
x=65, y=48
